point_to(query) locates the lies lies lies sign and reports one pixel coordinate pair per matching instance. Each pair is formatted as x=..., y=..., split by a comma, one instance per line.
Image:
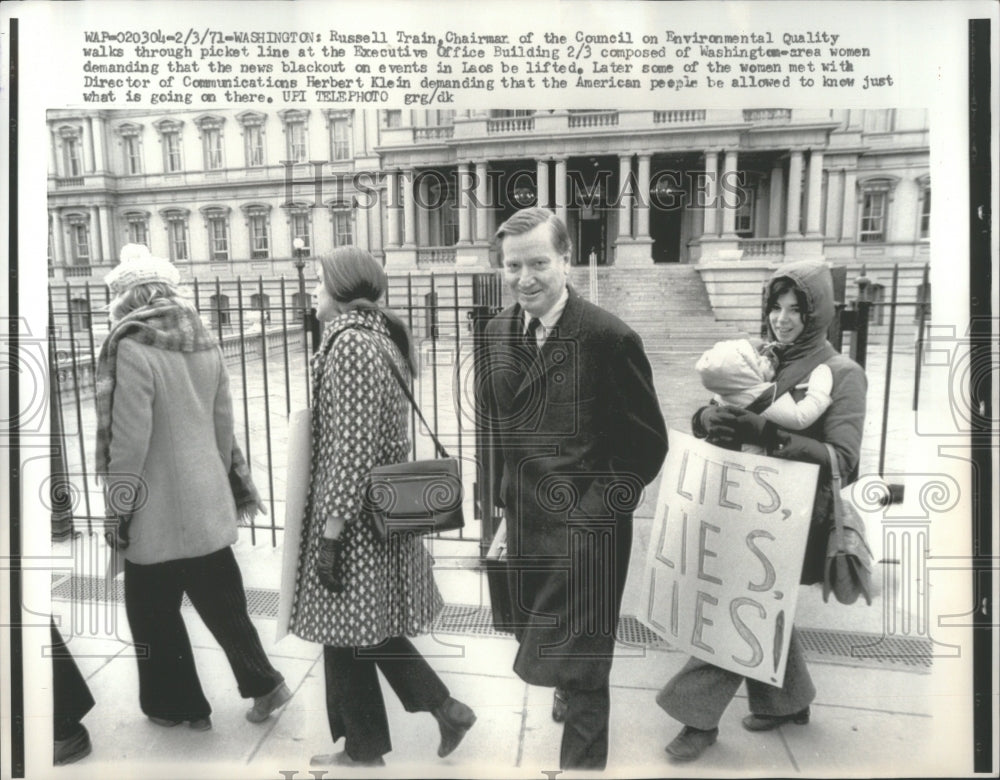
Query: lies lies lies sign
x=725, y=556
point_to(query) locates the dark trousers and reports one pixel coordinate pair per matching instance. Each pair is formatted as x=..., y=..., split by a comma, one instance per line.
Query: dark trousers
x=168, y=680
x=700, y=692
x=585, y=730
x=71, y=697
x=354, y=703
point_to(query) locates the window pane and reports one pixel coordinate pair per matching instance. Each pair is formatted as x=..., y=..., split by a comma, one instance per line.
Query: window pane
x=259, y=248
x=219, y=238
x=296, y=141
x=254, y=146
x=342, y=229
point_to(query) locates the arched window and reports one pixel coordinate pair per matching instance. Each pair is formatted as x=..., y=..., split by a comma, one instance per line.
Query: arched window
x=219, y=309
x=177, y=233
x=170, y=140
x=137, y=227
x=80, y=312
x=875, y=198
x=131, y=135
x=295, y=122
x=260, y=303
x=258, y=220
x=924, y=225
x=210, y=128
x=217, y=226
x=79, y=238
x=253, y=137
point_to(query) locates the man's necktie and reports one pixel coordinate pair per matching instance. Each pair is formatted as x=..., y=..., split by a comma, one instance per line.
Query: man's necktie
x=530, y=335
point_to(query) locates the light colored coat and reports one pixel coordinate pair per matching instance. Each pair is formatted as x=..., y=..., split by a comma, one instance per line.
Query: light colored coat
x=172, y=431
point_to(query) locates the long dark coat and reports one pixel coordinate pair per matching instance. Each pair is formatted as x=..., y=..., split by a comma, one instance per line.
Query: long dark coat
x=579, y=432
x=359, y=420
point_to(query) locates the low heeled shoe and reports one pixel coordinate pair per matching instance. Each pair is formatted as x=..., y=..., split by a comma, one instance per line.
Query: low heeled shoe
x=73, y=748
x=691, y=743
x=768, y=722
x=454, y=719
x=342, y=759
x=264, y=705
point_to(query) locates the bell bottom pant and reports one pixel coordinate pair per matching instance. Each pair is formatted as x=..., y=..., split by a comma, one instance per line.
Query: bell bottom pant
x=168, y=680
x=354, y=704
x=700, y=692
x=585, y=730
x=71, y=697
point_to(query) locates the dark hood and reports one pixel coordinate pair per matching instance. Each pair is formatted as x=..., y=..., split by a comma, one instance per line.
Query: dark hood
x=814, y=279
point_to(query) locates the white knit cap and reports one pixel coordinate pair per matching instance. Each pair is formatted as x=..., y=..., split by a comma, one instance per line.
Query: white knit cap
x=138, y=266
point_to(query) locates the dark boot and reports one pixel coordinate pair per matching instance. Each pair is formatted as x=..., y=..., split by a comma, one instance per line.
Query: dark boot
x=454, y=719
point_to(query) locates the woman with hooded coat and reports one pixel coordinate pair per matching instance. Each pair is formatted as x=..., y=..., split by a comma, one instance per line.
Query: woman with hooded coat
x=799, y=310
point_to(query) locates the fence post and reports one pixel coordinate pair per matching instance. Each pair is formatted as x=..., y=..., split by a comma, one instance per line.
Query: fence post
x=60, y=491
x=485, y=307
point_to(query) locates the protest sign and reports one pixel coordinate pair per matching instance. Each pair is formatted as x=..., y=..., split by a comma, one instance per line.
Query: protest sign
x=725, y=555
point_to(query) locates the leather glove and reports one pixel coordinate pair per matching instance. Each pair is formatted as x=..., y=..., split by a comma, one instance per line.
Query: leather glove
x=717, y=424
x=330, y=565
x=750, y=428
x=116, y=532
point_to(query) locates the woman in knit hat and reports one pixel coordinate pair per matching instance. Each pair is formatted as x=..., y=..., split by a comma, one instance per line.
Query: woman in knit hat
x=175, y=481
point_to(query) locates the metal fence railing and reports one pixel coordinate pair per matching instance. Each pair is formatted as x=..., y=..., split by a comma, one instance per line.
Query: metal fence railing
x=268, y=331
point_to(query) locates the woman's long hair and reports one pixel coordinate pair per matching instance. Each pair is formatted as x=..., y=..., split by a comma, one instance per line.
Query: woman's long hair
x=355, y=279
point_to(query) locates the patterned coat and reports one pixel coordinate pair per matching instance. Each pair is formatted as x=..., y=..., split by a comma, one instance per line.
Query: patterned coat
x=359, y=420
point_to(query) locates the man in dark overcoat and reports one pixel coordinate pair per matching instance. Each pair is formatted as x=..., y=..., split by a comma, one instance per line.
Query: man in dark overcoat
x=578, y=433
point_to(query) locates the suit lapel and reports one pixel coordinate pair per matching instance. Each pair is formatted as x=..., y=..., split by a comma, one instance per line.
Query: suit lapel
x=546, y=359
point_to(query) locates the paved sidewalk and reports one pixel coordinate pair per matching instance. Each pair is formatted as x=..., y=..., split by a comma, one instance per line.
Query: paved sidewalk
x=866, y=721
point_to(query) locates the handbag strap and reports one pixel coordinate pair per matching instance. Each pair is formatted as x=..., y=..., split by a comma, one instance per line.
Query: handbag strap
x=413, y=402
x=838, y=508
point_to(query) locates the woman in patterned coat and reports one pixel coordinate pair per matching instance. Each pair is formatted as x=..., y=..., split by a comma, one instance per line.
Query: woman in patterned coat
x=359, y=596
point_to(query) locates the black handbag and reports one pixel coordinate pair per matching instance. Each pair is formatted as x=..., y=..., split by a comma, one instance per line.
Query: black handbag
x=417, y=496
x=847, y=571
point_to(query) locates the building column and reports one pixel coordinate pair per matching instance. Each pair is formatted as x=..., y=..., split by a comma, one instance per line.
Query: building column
x=393, y=210
x=464, y=205
x=60, y=239
x=729, y=169
x=815, y=195
x=561, y=190
x=774, y=202
x=422, y=194
x=409, y=211
x=710, y=228
x=361, y=237
x=834, y=201
x=625, y=203
x=542, y=183
x=100, y=166
x=642, y=206
x=96, y=237
x=849, y=209
x=88, y=149
x=54, y=147
x=482, y=193
x=792, y=226
x=104, y=213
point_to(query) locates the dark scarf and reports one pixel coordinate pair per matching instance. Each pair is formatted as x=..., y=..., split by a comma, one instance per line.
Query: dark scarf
x=163, y=324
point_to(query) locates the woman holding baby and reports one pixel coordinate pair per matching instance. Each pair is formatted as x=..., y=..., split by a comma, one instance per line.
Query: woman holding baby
x=817, y=397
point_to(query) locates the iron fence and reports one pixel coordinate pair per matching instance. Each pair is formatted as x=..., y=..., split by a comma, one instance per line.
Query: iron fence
x=268, y=331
